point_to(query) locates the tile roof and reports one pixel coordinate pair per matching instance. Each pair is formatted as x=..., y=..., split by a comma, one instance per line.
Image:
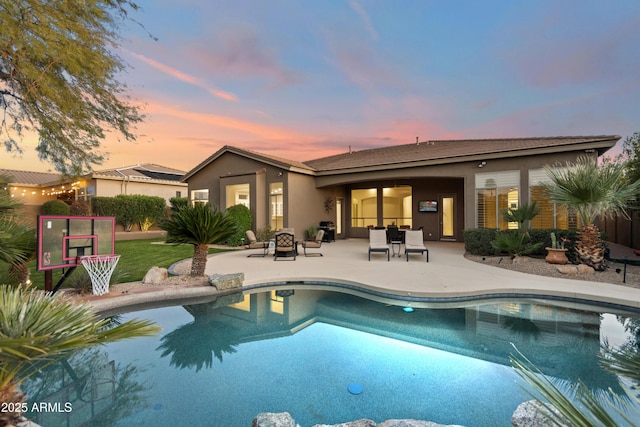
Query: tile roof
x=30, y=178
x=143, y=171
x=456, y=150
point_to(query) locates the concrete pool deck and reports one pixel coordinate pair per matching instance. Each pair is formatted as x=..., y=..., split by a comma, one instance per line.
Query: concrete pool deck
x=447, y=277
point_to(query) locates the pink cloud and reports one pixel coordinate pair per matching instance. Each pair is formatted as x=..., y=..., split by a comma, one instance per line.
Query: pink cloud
x=366, y=19
x=240, y=52
x=185, y=77
x=545, y=55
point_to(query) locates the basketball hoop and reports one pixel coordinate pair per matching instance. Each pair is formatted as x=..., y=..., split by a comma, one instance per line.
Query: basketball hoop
x=100, y=269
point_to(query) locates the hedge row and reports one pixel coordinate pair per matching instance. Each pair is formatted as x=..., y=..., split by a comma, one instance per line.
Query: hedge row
x=477, y=241
x=131, y=209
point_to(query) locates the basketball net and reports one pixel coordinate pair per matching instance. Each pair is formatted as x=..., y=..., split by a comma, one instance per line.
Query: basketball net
x=100, y=269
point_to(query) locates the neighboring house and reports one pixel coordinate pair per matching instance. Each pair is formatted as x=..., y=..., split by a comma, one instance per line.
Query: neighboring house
x=148, y=179
x=36, y=188
x=32, y=189
x=442, y=186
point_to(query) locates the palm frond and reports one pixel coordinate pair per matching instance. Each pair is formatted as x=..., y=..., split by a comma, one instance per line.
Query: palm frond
x=35, y=327
x=17, y=242
x=199, y=224
x=591, y=189
x=582, y=409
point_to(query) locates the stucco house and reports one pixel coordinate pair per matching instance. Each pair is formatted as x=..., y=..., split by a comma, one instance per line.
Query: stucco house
x=443, y=186
x=33, y=189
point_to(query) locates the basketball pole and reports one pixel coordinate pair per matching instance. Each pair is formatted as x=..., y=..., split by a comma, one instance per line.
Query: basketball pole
x=48, y=280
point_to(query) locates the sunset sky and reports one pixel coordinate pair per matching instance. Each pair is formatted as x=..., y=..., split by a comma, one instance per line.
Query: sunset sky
x=305, y=79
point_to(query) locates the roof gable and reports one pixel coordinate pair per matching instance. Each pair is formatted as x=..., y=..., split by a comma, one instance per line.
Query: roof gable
x=268, y=159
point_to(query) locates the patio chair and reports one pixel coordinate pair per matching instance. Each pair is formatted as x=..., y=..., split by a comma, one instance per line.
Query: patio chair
x=315, y=244
x=414, y=243
x=378, y=242
x=254, y=244
x=286, y=246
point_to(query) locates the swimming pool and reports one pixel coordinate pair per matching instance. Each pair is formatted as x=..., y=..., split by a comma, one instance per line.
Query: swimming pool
x=299, y=349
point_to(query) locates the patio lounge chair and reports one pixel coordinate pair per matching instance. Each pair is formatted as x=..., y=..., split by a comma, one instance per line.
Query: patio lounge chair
x=286, y=246
x=315, y=244
x=254, y=244
x=414, y=243
x=378, y=242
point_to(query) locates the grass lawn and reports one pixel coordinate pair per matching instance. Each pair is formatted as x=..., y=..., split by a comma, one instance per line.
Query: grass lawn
x=136, y=258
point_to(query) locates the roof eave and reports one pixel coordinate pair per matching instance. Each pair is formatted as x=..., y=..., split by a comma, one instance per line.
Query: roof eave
x=599, y=146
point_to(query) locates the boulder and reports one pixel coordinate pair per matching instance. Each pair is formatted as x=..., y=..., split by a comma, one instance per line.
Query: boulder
x=412, y=423
x=521, y=260
x=224, y=282
x=531, y=414
x=272, y=419
x=358, y=423
x=567, y=269
x=155, y=276
x=585, y=269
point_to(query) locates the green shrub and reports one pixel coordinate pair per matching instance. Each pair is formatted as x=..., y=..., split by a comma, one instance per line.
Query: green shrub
x=55, y=207
x=514, y=243
x=80, y=208
x=264, y=234
x=178, y=203
x=104, y=206
x=81, y=281
x=311, y=232
x=152, y=209
x=477, y=241
x=241, y=216
x=544, y=236
x=127, y=211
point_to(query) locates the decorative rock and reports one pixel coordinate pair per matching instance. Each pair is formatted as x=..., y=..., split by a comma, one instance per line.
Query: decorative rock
x=226, y=281
x=155, y=276
x=585, y=269
x=521, y=259
x=413, y=423
x=271, y=419
x=359, y=423
x=567, y=269
x=531, y=414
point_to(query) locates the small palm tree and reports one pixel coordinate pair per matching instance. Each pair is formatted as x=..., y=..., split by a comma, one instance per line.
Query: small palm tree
x=591, y=190
x=37, y=330
x=525, y=212
x=199, y=225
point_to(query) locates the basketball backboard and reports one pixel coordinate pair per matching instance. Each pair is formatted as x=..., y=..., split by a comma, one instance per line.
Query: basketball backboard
x=63, y=239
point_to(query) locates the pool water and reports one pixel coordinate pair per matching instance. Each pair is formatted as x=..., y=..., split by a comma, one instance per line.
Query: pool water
x=299, y=351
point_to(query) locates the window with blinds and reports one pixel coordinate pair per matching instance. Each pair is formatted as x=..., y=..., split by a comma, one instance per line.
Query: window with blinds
x=496, y=191
x=552, y=215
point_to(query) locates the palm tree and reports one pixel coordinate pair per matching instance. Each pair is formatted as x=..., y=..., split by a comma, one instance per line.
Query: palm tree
x=37, y=330
x=591, y=190
x=199, y=225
